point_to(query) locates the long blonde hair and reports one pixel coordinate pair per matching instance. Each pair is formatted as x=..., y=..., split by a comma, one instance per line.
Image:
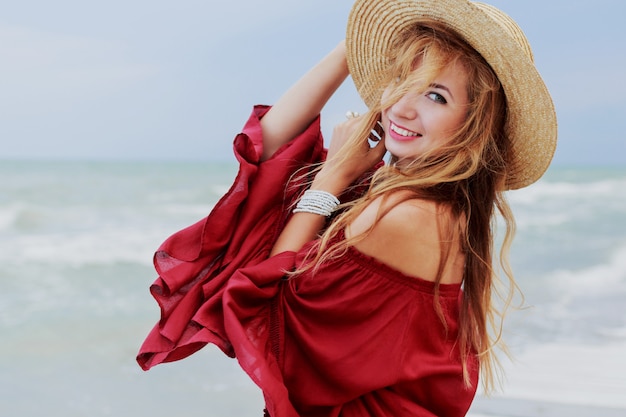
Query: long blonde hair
x=467, y=175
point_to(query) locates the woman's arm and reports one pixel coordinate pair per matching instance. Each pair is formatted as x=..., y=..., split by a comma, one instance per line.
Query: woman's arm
x=334, y=177
x=301, y=104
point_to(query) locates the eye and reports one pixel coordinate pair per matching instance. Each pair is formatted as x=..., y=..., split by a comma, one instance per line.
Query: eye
x=437, y=98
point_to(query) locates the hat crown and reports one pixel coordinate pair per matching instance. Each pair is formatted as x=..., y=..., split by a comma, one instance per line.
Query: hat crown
x=509, y=26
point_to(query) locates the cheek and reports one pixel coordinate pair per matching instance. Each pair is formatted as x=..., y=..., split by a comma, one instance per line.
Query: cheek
x=452, y=122
x=460, y=120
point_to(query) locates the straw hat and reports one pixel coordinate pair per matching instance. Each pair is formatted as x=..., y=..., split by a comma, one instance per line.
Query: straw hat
x=531, y=122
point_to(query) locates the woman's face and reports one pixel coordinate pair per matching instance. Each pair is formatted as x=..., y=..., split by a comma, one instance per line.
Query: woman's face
x=421, y=122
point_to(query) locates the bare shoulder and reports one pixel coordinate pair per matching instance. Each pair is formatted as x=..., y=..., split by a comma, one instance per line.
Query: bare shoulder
x=407, y=236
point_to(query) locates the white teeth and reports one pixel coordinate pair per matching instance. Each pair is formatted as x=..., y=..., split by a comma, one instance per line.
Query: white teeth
x=402, y=132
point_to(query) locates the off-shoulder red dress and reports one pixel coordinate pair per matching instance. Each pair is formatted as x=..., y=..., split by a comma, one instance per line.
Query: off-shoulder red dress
x=357, y=338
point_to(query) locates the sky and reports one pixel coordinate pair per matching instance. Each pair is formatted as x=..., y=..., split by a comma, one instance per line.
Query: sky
x=175, y=80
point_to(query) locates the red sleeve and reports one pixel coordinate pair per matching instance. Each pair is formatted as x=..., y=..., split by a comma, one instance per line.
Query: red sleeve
x=195, y=263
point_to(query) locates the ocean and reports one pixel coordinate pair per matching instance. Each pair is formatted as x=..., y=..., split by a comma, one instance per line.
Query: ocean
x=76, y=245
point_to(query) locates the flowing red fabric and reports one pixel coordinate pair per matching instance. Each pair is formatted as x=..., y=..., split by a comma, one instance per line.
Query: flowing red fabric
x=355, y=338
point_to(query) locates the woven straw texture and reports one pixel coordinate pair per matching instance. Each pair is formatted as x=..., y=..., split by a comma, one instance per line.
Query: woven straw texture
x=531, y=123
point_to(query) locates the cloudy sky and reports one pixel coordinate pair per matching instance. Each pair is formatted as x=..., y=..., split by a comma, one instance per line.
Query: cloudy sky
x=157, y=79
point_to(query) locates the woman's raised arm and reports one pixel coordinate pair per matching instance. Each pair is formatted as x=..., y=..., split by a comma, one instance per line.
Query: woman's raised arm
x=299, y=106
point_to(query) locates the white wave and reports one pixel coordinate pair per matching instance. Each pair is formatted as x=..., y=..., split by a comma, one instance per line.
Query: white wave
x=554, y=204
x=581, y=306
x=76, y=249
x=543, y=219
x=74, y=235
x=545, y=190
x=598, y=279
x=7, y=217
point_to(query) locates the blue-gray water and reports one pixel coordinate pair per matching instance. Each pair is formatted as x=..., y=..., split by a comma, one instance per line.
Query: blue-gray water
x=76, y=242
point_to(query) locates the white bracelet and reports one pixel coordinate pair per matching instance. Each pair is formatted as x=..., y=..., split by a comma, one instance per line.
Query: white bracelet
x=317, y=202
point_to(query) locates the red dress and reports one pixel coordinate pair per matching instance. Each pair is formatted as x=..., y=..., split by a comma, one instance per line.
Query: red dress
x=357, y=338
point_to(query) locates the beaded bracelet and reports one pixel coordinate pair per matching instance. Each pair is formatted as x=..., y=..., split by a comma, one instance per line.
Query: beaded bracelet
x=317, y=202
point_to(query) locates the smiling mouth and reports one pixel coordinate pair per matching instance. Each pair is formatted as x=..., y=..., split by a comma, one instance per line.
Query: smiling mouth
x=403, y=132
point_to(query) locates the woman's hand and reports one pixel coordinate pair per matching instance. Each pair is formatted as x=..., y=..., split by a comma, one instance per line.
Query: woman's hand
x=340, y=170
x=343, y=166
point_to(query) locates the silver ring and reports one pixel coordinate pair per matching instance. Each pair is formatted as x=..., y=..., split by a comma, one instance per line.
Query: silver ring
x=351, y=115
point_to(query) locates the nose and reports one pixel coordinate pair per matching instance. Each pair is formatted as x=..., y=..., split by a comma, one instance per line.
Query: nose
x=406, y=107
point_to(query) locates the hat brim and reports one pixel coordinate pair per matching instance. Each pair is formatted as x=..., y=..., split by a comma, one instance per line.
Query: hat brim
x=531, y=120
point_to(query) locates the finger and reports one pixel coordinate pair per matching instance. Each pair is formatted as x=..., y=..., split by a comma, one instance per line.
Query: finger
x=379, y=149
x=378, y=128
x=376, y=135
x=376, y=152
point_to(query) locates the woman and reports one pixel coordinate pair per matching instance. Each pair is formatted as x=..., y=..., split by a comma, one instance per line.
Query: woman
x=377, y=302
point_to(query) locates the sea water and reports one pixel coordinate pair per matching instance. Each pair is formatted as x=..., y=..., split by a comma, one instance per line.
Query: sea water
x=76, y=245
